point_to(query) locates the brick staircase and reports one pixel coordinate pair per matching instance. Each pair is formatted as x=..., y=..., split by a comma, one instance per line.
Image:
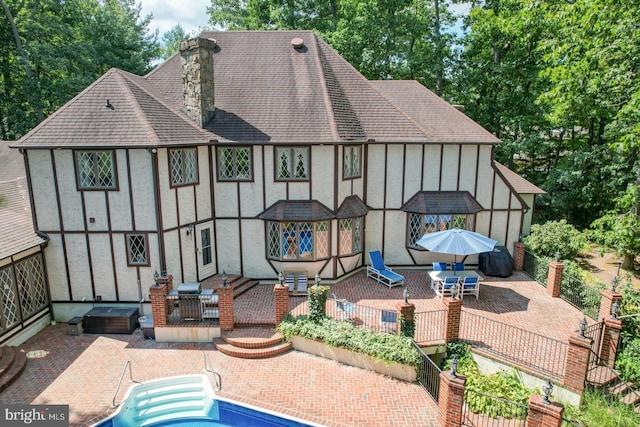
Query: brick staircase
x=252, y=343
x=12, y=363
x=609, y=379
x=239, y=283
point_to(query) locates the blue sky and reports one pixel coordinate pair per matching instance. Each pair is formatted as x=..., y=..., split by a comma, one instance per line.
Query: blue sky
x=191, y=14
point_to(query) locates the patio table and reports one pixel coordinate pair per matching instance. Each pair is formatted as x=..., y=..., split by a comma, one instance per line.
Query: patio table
x=439, y=276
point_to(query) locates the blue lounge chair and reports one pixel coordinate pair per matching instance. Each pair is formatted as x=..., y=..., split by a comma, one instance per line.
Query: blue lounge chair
x=389, y=321
x=470, y=286
x=380, y=272
x=345, y=308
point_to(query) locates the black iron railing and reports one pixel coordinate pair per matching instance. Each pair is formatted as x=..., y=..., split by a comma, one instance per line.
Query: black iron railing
x=481, y=409
x=430, y=326
x=428, y=374
x=516, y=345
x=377, y=319
x=536, y=267
x=583, y=297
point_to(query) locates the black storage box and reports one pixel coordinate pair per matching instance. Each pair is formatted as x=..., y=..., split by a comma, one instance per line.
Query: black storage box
x=497, y=263
x=111, y=320
x=74, y=326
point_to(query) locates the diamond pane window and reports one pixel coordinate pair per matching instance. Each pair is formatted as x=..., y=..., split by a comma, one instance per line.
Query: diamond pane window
x=95, y=170
x=9, y=314
x=137, y=249
x=184, y=166
x=297, y=240
x=234, y=164
x=352, y=163
x=292, y=163
x=420, y=224
x=31, y=285
x=350, y=236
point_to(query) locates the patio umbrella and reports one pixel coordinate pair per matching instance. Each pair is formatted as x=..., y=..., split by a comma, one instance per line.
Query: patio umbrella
x=457, y=242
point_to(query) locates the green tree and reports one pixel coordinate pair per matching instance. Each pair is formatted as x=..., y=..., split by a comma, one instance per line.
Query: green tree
x=620, y=228
x=67, y=46
x=171, y=41
x=555, y=237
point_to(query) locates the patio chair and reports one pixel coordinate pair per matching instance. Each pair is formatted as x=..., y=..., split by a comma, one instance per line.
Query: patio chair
x=447, y=286
x=469, y=286
x=381, y=273
x=345, y=308
x=389, y=321
x=457, y=266
x=296, y=280
x=439, y=266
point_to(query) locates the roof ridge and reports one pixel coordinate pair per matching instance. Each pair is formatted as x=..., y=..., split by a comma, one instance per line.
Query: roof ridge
x=160, y=99
x=325, y=90
x=139, y=112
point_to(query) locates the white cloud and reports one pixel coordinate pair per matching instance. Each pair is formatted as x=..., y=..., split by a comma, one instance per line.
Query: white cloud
x=191, y=14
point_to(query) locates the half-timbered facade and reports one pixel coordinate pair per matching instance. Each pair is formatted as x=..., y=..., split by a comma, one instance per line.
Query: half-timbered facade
x=253, y=153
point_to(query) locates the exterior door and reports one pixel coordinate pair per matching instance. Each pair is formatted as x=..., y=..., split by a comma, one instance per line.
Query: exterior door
x=204, y=250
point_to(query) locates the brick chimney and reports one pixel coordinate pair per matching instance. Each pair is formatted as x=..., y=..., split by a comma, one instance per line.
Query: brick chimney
x=197, y=78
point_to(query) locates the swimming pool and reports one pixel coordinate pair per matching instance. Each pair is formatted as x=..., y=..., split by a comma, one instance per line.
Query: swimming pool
x=189, y=401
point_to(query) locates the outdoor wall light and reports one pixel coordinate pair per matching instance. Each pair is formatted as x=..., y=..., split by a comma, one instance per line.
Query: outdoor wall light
x=224, y=279
x=189, y=229
x=280, y=278
x=547, y=388
x=583, y=327
x=318, y=279
x=615, y=309
x=156, y=276
x=454, y=367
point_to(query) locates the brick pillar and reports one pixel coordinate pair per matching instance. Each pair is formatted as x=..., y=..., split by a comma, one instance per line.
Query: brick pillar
x=610, y=341
x=225, y=307
x=518, y=256
x=166, y=280
x=159, y=309
x=452, y=320
x=406, y=313
x=606, y=301
x=450, y=399
x=577, y=363
x=543, y=414
x=554, y=279
x=281, y=293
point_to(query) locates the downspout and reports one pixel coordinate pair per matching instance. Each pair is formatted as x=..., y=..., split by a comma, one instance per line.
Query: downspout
x=156, y=201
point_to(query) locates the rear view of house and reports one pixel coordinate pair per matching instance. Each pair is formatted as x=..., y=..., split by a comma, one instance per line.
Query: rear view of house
x=252, y=153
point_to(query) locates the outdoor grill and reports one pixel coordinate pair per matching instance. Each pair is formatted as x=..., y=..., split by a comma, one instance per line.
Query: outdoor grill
x=189, y=301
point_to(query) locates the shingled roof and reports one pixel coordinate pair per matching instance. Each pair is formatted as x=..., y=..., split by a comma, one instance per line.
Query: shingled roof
x=266, y=91
x=16, y=227
x=519, y=184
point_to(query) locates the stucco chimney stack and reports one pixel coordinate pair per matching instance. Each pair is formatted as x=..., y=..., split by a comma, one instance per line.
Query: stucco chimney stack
x=197, y=78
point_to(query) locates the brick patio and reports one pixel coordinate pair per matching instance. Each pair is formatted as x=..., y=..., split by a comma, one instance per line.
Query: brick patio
x=83, y=371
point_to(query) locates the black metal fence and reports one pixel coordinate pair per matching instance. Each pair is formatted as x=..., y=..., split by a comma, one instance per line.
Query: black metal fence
x=536, y=267
x=481, y=409
x=428, y=374
x=430, y=326
x=516, y=345
x=583, y=297
x=377, y=319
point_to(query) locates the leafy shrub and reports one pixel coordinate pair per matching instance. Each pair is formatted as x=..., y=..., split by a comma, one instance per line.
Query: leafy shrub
x=407, y=329
x=317, y=301
x=385, y=347
x=599, y=411
x=503, y=385
x=551, y=237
